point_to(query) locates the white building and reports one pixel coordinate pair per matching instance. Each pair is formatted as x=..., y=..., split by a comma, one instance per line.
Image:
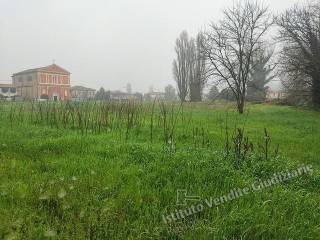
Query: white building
x=7, y=91
x=274, y=95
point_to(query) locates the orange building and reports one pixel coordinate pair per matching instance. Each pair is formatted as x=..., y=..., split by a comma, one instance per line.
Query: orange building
x=51, y=83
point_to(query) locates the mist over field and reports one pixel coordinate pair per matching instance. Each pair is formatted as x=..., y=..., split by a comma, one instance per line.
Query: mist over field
x=149, y=119
x=102, y=43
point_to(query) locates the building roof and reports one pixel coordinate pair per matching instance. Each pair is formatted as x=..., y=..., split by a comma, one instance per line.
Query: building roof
x=54, y=68
x=81, y=88
x=6, y=85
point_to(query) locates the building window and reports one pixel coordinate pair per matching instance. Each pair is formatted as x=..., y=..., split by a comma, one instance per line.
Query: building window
x=20, y=79
x=29, y=78
x=5, y=90
x=65, y=80
x=43, y=78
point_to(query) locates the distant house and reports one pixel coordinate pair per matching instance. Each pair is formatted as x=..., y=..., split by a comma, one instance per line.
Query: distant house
x=50, y=83
x=80, y=93
x=154, y=96
x=122, y=96
x=275, y=95
x=7, y=91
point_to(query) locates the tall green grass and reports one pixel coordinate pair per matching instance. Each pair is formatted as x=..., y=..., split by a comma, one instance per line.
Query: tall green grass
x=112, y=170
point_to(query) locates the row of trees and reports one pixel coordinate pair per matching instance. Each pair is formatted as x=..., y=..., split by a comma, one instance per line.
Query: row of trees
x=234, y=53
x=189, y=68
x=103, y=95
x=300, y=56
x=260, y=75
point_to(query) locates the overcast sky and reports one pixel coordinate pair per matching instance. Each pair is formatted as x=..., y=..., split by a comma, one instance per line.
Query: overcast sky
x=105, y=43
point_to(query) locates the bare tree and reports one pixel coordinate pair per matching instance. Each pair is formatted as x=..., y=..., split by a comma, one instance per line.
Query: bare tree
x=213, y=93
x=129, y=88
x=181, y=65
x=170, y=93
x=231, y=43
x=198, y=75
x=102, y=95
x=300, y=57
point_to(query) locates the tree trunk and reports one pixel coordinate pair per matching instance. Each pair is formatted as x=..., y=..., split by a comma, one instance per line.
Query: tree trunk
x=240, y=109
x=195, y=92
x=240, y=106
x=316, y=93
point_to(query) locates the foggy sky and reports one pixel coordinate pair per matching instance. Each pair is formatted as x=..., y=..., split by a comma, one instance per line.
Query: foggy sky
x=105, y=43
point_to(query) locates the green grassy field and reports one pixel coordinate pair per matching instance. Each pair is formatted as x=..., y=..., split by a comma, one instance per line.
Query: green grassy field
x=113, y=172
